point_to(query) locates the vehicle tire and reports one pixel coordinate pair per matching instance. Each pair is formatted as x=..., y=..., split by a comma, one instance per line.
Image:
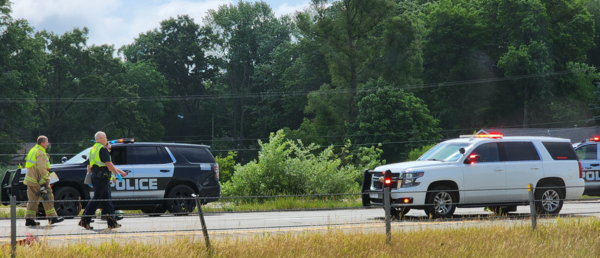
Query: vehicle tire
x=398, y=213
x=180, y=206
x=502, y=211
x=68, y=210
x=154, y=212
x=441, y=204
x=548, y=200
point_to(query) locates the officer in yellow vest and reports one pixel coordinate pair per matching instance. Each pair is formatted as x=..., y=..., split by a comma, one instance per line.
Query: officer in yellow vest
x=101, y=166
x=37, y=181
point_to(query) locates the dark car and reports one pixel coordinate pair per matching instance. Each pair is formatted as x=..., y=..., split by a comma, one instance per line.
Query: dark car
x=155, y=170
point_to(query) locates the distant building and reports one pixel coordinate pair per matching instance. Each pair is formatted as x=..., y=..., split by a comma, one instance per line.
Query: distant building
x=19, y=158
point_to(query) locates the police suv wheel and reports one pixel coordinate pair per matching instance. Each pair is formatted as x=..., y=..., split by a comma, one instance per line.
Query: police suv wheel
x=548, y=200
x=441, y=203
x=181, y=206
x=68, y=209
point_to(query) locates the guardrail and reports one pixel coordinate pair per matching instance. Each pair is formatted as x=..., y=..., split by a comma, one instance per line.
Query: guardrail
x=387, y=205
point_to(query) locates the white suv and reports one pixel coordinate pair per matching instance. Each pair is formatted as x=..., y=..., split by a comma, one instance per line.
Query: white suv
x=481, y=171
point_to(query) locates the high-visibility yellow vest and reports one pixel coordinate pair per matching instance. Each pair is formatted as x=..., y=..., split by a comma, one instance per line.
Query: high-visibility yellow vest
x=95, y=155
x=30, y=160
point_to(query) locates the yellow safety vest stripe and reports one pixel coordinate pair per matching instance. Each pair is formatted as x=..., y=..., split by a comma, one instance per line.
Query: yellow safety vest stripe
x=30, y=179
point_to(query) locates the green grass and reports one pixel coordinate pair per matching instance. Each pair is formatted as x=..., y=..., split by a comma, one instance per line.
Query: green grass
x=559, y=238
x=283, y=203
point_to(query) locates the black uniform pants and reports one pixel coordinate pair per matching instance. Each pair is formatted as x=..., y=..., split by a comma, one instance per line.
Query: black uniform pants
x=101, y=191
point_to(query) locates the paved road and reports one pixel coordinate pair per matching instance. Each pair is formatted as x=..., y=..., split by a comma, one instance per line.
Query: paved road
x=241, y=224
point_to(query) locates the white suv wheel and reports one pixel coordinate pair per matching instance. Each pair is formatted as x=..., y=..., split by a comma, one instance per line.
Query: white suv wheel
x=550, y=200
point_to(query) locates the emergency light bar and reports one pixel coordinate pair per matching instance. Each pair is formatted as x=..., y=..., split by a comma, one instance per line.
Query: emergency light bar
x=595, y=139
x=489, y=136
x=123, y=140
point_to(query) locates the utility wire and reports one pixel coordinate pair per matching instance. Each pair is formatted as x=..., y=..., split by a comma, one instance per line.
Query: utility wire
x=282, y=93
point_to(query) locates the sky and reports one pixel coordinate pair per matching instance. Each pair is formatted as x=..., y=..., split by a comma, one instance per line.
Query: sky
x=118, y=22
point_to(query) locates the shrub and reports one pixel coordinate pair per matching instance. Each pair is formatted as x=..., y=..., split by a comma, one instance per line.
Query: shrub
x=226, y=166
x=289, y=167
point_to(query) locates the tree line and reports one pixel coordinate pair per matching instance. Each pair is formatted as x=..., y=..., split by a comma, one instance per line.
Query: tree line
x=393, y=74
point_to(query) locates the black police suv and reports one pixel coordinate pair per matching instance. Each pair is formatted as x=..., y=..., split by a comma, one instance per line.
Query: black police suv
x=155, y=170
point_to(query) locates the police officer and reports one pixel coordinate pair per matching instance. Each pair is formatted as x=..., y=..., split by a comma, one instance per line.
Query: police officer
x=101, y=167
x=37, y=181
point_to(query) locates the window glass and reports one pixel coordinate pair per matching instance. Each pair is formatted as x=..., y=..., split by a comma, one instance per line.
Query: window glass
x=79, y=157
x=445, y=152
x=587, y=152
x=150, y=155
x=488, y=152
x=562, y=150
x=118, y=155
x=520, y=151
x=196, y=155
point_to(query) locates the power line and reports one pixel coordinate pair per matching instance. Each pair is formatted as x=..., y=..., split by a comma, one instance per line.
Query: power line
x=342, y=135
x=281, y=93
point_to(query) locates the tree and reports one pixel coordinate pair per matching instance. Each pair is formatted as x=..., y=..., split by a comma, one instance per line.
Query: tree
x=178, y=48
x=79, y=86
x=347, y=31
x=395, y=118
x=297, y=68
x=246, y=34
x=140, y=114
x=513, y=45
x=21, y=60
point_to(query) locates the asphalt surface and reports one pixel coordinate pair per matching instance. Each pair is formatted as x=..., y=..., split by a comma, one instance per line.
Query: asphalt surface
x=227, y=225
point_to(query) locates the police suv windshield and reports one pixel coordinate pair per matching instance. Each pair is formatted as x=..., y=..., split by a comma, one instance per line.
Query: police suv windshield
x=79, y=157
x=446, y=151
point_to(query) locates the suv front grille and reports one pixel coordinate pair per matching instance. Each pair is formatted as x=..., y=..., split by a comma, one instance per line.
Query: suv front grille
x=379, y=185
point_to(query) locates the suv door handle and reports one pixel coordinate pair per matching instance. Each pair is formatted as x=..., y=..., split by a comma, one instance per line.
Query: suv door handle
x=499, y=169
x=594, y=165
x=127, y=171
x=165, y=170
x=535, y=168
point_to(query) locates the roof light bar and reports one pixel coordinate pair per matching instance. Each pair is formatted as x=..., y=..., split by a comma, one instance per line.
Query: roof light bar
x=123, y=140
x=490, y=136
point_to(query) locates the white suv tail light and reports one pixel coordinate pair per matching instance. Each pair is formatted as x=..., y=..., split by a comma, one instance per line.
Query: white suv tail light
x=580, y=169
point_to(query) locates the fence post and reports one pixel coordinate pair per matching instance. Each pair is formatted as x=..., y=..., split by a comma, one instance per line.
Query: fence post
x=13, y=225
x=204, y=229
x=387, y=207
x=530, y=189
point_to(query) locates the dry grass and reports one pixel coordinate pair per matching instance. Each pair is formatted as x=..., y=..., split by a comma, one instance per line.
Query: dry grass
x=565, y=238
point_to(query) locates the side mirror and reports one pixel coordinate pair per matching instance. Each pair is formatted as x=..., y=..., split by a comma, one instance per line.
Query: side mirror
x=472, y=159
x=462, y=151
x=63, y=159
x=84, y=156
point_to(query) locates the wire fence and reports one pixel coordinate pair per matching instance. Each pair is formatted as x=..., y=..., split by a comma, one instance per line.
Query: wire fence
x=545, y=201
x=455, y=200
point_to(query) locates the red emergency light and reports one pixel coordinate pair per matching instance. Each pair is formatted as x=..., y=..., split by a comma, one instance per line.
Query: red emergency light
x=493, y=136
x=595, y=139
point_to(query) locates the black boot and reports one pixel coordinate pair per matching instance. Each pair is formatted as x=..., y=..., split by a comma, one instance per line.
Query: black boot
x=86, y=226
x=30, y=223
x=55, y=220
